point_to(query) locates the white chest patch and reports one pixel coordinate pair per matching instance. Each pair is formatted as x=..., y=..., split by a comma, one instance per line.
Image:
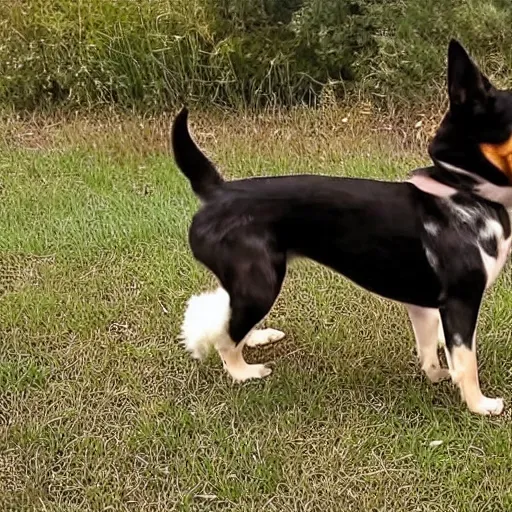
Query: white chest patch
x=493, y=265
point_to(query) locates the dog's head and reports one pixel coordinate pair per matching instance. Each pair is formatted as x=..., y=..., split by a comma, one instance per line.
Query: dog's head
x=475, y=136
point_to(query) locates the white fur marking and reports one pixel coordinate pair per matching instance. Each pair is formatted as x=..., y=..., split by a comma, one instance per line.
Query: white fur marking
x=465, y=214
x=491, y=229
x=457, y=339
x=206, y=322
x=493, y=265
x=431, y=228
x=492, y=406
x=431, y=258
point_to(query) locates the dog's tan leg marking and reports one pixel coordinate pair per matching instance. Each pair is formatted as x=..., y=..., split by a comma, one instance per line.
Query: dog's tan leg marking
x=259, y=337
x=425, y=324
x=236, y=366
x=464, y=372
x=441, y=340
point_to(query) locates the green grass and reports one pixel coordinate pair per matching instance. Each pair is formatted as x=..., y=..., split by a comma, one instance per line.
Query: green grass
x=101, y=409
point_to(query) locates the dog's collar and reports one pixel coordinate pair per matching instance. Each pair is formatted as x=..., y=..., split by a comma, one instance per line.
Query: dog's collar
x=445, y=180
x=478, y=186
x=430, y=185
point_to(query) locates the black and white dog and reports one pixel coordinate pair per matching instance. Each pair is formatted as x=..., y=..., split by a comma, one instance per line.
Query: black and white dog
x=434, y=242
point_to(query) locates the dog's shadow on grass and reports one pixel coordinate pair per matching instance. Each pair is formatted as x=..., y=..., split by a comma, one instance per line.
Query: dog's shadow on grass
x=310, y=382
x=313, y=382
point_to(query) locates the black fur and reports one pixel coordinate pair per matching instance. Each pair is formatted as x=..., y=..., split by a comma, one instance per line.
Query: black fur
x=479, y=113
x=202, y=174
x=374, y=233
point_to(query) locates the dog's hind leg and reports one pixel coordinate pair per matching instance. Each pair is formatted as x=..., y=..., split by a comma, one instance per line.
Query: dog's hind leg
x=253, y=291
x=441, y=341
x=225, y=318
x=425, y=324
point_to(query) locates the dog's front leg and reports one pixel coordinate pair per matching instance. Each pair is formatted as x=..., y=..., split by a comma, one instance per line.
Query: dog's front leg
x=426, y=327
x=459, y=316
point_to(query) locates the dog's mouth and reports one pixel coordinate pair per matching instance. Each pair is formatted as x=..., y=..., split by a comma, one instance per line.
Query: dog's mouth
x=500, y=155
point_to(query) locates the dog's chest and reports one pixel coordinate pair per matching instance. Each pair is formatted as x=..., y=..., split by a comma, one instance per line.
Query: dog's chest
x=474, y=224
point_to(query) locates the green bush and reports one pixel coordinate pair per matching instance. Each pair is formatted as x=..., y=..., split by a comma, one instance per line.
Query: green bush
x=413, y=36
x=155, y=54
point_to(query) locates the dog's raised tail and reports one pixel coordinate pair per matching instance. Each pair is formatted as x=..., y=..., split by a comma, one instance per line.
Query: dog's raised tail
x=193, y=163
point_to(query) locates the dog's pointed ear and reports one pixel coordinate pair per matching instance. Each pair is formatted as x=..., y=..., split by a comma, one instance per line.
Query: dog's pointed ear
x=467, y=85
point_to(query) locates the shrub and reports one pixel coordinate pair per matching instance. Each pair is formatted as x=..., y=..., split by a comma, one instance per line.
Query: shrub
x=155, y=54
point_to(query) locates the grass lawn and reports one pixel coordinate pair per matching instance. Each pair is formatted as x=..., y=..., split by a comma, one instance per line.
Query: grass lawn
x=101, y=409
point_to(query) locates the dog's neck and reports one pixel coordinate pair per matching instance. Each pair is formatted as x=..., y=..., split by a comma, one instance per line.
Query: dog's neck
x=445, y=180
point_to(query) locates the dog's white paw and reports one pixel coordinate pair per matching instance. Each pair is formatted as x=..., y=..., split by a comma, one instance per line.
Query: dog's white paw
x=437, y=374
x=260, y=337
x=488, y=406
x=250, y=371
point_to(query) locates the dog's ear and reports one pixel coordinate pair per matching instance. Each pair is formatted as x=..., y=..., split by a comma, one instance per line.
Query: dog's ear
x=467, y=86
